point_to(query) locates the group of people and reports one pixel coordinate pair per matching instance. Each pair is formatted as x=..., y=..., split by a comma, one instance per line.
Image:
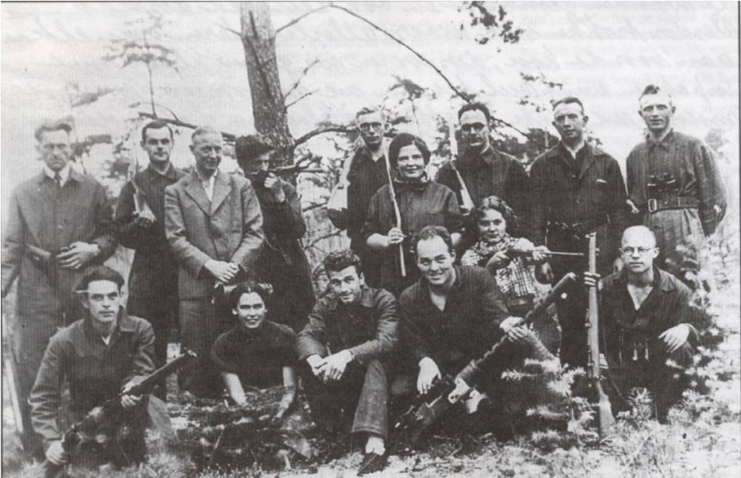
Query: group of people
x=425, y=287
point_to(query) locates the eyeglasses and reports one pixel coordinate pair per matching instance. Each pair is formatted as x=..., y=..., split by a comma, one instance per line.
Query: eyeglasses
x=629, y=251
x=366, y=127
x=476, y=127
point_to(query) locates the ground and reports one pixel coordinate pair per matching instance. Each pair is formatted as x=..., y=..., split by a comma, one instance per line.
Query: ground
x=702, y=438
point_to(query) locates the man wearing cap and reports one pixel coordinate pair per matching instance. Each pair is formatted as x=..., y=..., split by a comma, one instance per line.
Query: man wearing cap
x=140, y=225
x=282, y=261
x=59, y=225
x=213, y=224
x=675, y=185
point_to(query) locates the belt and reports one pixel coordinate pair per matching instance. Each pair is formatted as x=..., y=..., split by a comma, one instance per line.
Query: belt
x=581, y=229
x=676, y=202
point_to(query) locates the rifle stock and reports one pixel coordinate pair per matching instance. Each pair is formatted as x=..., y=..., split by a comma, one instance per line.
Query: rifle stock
x=107, y=409
x=605, y=420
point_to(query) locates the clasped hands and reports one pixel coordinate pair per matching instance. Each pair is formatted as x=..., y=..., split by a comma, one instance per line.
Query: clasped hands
x=222, y=271
x=330, y=368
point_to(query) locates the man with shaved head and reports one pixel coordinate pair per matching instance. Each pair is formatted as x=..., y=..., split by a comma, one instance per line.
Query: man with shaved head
x=213, y=224
x=646, y=320
x=674, y=183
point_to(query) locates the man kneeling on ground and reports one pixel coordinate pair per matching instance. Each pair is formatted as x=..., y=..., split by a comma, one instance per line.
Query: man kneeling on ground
x=100, y=355
x=648, y=326
x=341, y=354
x=455, y=314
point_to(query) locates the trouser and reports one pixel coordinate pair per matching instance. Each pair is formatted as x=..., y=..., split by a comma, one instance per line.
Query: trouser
x=546, y=327
x=572, y=315
x=161, y=312
x=665, y=383
x=362, y=394
x=199, y=329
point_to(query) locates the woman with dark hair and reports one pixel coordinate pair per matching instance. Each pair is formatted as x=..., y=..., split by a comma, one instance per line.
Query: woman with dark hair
x=497, y=230
x=282, y=261
x=421, y=201
x=256, y=352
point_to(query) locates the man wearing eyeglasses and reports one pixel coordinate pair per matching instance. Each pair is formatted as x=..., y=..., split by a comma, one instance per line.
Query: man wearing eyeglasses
x=576, y=189
x=485, y=171
x=646, y=319
x=675, y=185
x=366, y=174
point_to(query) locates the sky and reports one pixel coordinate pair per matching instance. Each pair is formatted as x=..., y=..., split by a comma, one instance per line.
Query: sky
x=604, y=53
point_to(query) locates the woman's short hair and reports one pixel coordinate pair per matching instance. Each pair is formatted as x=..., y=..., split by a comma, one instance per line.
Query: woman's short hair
x=497, y=204
x=263, y=289
x=406, y=139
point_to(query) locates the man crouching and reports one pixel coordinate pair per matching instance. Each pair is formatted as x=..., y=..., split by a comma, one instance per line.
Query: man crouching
x=99, y=355
x=340, y=353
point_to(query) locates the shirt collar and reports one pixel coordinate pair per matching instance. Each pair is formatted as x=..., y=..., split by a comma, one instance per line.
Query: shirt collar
x=169, y=172
x=664, y=143
x=64, y=173
x=661, y=280
x=124, y=324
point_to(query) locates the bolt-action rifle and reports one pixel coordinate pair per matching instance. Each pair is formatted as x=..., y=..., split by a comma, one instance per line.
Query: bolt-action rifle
x=446, y=391
x=110, y=409
x=605, y=420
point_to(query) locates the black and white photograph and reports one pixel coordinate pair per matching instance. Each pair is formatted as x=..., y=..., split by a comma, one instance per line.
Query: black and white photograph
x=393, y=239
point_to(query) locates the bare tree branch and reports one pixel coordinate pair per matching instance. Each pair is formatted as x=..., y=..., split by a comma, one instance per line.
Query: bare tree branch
x=227, y=136
x=230, y=30
x=301, y=77
x=322, y=130
x=301, y=98
x=299, y=18
x=458, y=92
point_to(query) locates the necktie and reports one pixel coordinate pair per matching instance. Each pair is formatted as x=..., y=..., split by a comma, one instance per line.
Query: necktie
x=58, y=180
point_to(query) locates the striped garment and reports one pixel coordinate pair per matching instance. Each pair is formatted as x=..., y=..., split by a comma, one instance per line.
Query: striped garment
x=516, y=279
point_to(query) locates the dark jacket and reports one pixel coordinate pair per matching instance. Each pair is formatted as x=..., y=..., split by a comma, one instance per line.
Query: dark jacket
x=367, y=328
x=365, y=178
x=492, y=173
x=465, y=330
x=282, y=261
x=154, y=266
x=564, y=195
x=420, y=205
x=95, y=371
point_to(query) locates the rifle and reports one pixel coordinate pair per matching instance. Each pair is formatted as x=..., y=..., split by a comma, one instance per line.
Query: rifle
x=605, y=420
x=110, y=409
x=466, y=200
x=520, y=253
x=446, y=392
x=10, y=376
x=397, y=214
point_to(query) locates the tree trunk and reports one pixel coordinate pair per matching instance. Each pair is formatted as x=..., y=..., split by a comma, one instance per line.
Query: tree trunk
x=268, y=105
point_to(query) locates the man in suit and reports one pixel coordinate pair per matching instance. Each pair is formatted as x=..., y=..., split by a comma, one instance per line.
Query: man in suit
x=213, y=224
x=59, y=225
x=140, y=225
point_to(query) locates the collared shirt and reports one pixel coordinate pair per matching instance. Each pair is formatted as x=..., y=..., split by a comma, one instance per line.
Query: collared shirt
x=63, y=174
x=256, y=356
x=96, y=371
x=367, y=328
x=464, y=330
x=630, y=335
x=489, y=173
x=208, y=183
x=691, y=166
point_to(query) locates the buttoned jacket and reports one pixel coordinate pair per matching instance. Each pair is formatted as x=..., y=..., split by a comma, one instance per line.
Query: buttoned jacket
x=228, y=228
